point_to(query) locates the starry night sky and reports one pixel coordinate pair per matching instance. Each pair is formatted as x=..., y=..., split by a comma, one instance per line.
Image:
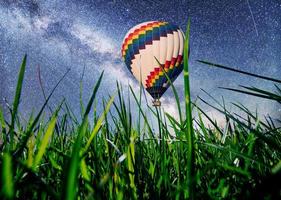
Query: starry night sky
x=62, y=34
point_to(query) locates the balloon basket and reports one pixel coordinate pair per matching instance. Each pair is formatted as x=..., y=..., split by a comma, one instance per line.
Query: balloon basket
x=156, y=102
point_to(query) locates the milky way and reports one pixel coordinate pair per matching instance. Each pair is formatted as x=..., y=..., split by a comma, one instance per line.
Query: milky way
x=58, y=35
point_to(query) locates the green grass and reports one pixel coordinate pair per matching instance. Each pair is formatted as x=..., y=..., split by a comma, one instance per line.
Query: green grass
x=108, y=156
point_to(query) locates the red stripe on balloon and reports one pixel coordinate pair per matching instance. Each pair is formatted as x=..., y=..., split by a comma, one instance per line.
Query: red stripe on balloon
x=173, y=62
x=168, y=65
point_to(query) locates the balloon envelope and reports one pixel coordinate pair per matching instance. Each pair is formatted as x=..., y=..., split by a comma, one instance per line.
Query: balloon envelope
x=147, y=41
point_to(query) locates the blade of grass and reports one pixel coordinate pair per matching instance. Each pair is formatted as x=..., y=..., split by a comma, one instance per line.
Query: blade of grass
x=81, y=92
x=274, y=98
x=42, y=88
x=70, y=114
x=276, y=168
x=173, y=121
x=25, y=138
x=210, y=120
x=234, y=169
x=7, y=176
x=143, y=115
x=2, y=120
x=4, y=136
x=173, y=89
x=228, y=149
x=131, y=163
x=248, y=112
x=70, y=189
x=98, y=124
x=17, y=100
x=266, y=139
x=239, y=71
x=44, y=142
x=189, y=128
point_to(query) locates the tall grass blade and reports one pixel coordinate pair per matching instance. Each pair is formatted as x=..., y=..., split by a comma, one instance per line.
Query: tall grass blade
x=189, y=128
x=17, y=100
x=98, y=124
x=70, y=189
x=143, y=115
x=173, y=121
x=42, y=88
x=84, y=170
x=7, y=176
x=261, y=95
x=2, y=120
x=276, y=168
x=88, y=108
x=81, y=92
x=131, y=163
x=44, y=142
x=25, y=138
x=239, y=71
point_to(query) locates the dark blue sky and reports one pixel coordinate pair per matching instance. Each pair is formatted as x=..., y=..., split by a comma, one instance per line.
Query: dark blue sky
x=61, y=34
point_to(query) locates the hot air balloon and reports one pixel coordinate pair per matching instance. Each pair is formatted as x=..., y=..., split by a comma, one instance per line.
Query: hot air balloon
x=149, y=44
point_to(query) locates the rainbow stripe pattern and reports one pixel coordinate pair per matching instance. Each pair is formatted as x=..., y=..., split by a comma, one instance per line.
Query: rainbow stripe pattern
x=148, y=44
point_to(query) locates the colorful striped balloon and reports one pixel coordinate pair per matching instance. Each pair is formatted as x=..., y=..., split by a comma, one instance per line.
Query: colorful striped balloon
x=150, y=40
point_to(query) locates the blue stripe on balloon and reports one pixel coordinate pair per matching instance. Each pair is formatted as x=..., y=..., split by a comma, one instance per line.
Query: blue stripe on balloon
x=142, y=41
x=136, y=46
x=129, y=56
x=148, y=37
x=162, y=30
x=156, y=33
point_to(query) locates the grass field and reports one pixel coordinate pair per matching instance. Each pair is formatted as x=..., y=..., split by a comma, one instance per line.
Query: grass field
x=107, y=156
